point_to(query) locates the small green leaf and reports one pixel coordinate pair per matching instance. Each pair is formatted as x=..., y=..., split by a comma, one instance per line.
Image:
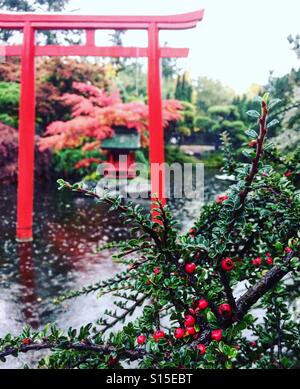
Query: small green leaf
x=248, y=153
x=258, y=99
x=269, y=146
x=254, y=114
x=253, y=134
x=278, y=246
x=221, y=347
x=266, y=97
x=274, y=102
x=273, y=123
x=210, y=316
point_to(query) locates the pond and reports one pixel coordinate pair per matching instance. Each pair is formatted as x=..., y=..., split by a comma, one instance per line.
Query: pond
x=67, y=230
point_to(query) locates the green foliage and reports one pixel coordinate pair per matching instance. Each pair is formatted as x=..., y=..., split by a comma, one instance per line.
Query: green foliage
x=288, y=111
x=219, y=119
x=211, y=93
x=9, y=120
x=204, y=122
x=213, y=159
x=9, y=103
x=9, y=94
x=132, y=81
x=64, y=161
x=173, y=154
x=184, y=88
x=182, y=129
x=229, y=155
x=224, y=112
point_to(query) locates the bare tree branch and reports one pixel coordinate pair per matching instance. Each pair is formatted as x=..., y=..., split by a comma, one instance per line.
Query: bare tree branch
x=83, y=347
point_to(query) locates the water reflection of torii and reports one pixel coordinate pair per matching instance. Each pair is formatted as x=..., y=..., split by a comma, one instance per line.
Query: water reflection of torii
x=27, y=280
x=30, y=23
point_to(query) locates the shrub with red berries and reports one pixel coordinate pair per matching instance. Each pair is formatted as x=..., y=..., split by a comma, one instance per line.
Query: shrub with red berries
x=192, y=299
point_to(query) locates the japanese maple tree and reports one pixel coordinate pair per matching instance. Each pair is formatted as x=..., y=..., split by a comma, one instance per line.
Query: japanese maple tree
x=94, y=115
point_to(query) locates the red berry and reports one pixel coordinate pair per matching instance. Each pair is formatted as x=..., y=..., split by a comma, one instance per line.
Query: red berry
x=112, y=361
x=202, y=304
x=179, y=333
x=189, y=321
x=256, y=261
x=26, y=341
x=227, y=264
x=191, y=330
x=141, y=339
x=221, y=198
x=268, y=254
x=190, y=268
x=253, y=344
x=252, y=143
x=288, y=173
x=225, y=310
x=201, y=348
x=288, y=250
x=192, y=231
x=216, y=335
x=191, y=311
x=197, y=256
x=156, y=270
x=158, y=335
x=269, y=261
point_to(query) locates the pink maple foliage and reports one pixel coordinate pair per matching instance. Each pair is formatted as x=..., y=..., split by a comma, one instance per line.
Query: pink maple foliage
x=94, y=114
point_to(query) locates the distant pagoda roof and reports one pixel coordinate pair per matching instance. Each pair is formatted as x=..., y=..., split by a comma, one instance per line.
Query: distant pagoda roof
x=123, y=139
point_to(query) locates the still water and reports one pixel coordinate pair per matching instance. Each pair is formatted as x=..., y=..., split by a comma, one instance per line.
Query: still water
x=67, y=230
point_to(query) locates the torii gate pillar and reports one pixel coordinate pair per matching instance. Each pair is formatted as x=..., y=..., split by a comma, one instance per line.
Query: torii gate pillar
x=26, y=138
x=156, y=131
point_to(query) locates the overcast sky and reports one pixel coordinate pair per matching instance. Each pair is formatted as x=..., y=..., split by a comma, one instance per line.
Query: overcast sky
x=238, y=41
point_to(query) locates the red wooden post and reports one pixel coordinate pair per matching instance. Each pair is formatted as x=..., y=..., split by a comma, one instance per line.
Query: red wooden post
x=26, y=138
x=156, y=131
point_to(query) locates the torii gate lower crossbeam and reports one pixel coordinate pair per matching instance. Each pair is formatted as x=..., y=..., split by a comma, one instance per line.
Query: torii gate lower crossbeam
x=30, y=23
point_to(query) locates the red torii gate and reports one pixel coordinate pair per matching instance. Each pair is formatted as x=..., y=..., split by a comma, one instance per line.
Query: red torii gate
x=30, y=23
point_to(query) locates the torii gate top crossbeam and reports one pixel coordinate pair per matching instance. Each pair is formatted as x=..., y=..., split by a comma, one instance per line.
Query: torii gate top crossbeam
x=58, y=21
